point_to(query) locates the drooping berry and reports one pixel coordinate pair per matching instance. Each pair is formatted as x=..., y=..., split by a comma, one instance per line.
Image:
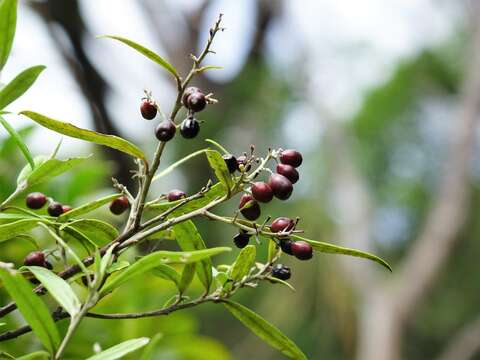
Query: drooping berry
x=249, y=207
x=189, y=128
x=286, y=246
x=36, y=200
x=281, y=186
x=291, y=157
x=188, y=91
x=262, y=192
x=175, y=195
x=281, y=272
x=196, y=101
x=282, y=224
x=165, y=131
x=55, y=209
x=241, y=239
x=119, y=205
x=288, y=171
x=302, y=250
x=35, y=258
x=242, y=161
x=231, y=162
x=66, y=208
x=148, y=109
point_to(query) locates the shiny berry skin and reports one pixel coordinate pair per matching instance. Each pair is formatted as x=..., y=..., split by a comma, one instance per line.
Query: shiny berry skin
x=66, y=208
x=282, y=224
x=231, y=162
x=302, y=250
x=242, y=160
x=289, y=172
x=148, y=109
x=241, y=239
x=165, y=131
x=188, y=91
x=36, y=200
x=196, y=101
x=286, y=246
x=55, y=209
x=252, y=210
x=281, y=186
x=281, y=272
x=119, y=205
x=175, y=195
x=291, y=157
x=189, y=128
x=262, y=192
x=35, y=258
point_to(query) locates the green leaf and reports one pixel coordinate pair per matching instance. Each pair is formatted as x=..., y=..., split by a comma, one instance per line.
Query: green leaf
x=18, y=140
x=98, y=232
x=243, y=263
x=58, y=288
x=167, y=273
x=276, y=280
x=32, y=308
x=146, y=52
x=8, y=22
x=8, y=231
x=189, y=239
x=120, y=350
x=6, y=356
x=19, y=85
x=37, y=355
x=157, y=258
x=218, y=165
x=86, y=208
x=187, y=276
x=148, y=352
x=272, y=249
x=264, y=330
x=334, y=249
x=208, y=67
x=67, y=129
x=177, y=164
x=218, y=145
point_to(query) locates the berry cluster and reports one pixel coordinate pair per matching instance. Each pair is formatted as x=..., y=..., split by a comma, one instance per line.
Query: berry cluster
x=37, y=200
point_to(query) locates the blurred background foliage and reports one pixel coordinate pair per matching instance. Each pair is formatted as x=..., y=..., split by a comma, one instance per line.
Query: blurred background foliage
x=397, y=135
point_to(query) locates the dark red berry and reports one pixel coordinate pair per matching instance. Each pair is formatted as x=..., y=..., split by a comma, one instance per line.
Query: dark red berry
x=286, y=246
x=288, y=171
x=196, y=101
x=66, y=208
x=291, y=157
x=188, y=91
x=262, y=192
x=35, y=258
x=282, y=224
x=281, y=272
x=175, y=195
x=231, y=162
x=249, y=207
x=241, y=239
x=302, y=250
x=148, y=109
x=189, y=128
x=165, y=131
x=242, y=160
x=119, y=205
x=281, y=186
x=55, y=209
x=36, y=200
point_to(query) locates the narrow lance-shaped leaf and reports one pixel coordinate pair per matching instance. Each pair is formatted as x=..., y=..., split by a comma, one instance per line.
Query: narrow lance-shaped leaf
x=264, y=330
x=37, y=355
x=86, y=208
x=167, y=273
x=8, y=22
x=120, y=350
x=220, y=168
x=8, y=231
x=67, y=129
x=18, y=140
x=19, y=85
x=243, y=263
x=98, y=232
x=187, y=277
x=32, y=308
x=146, y=52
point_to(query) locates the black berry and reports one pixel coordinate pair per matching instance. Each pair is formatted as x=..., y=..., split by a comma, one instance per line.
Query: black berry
x=243, y=161
x=148, y=109
x=286, y=246
x=231, y=162
x=291, y=157
x=302, y=250
x=241, y=239
x=282, y=224
x=249, y=207
x=281, y=272
x=36, y=200
x=165, y=131
x=189, y=128
x=262, y=192
x=55, y=209
x=288, y=171
x=281, y=186
x=35, y=258
x=189, y=91
x=175, y=195
x=196, y=101
x=119, y=205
